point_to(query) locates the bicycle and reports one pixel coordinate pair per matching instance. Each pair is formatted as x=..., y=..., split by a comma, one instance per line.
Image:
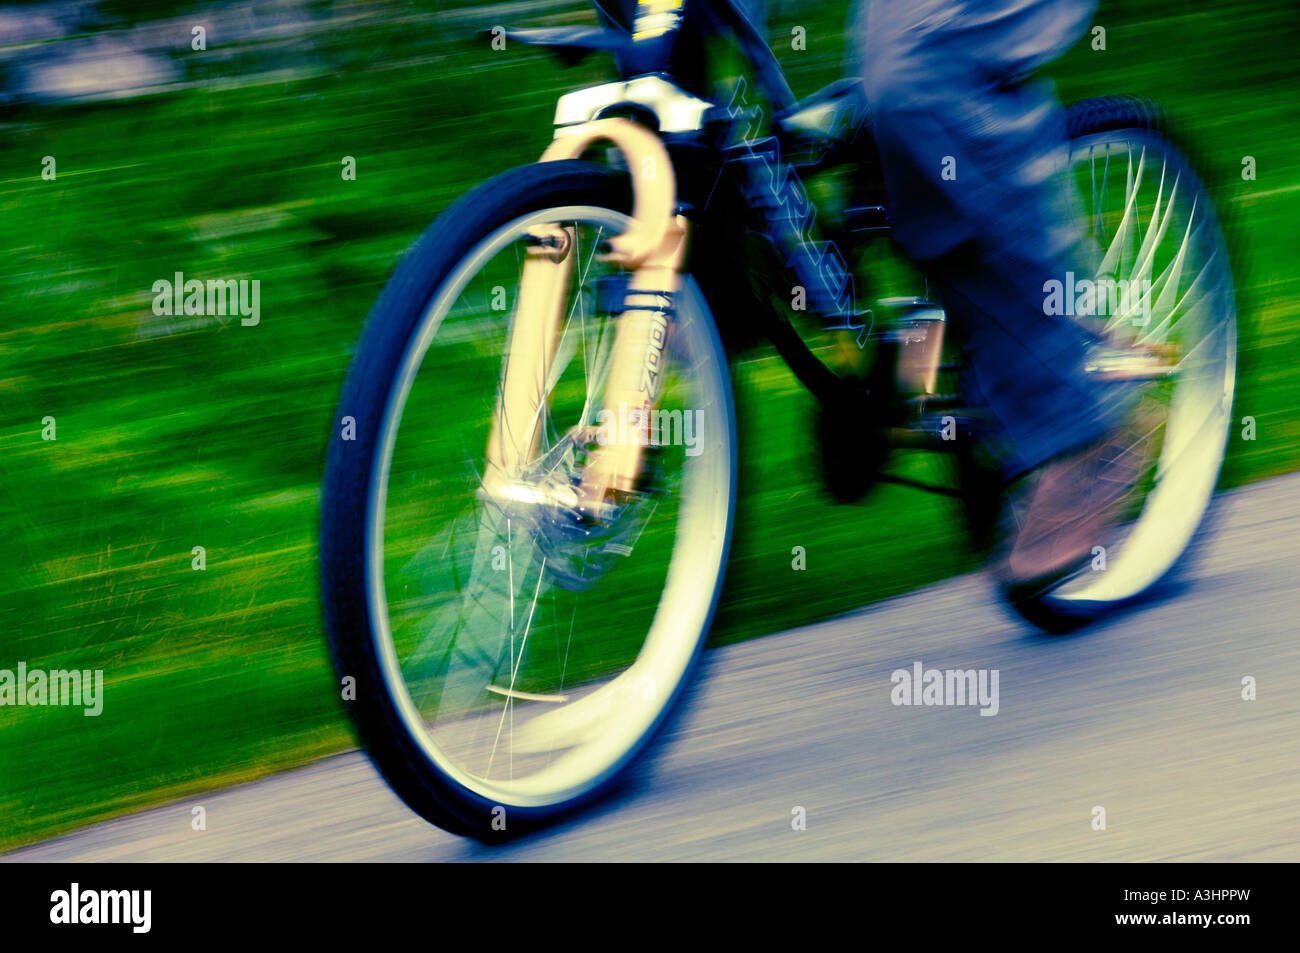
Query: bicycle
x=521, y=585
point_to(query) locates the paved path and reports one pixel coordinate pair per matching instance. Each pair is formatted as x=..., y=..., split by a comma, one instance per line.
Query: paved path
x=1143, y=717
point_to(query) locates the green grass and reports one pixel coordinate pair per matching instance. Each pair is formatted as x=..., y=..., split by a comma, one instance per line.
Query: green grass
x=170, y=438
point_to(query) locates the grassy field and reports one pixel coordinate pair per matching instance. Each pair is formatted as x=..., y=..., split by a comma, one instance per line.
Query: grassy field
x=172, y=436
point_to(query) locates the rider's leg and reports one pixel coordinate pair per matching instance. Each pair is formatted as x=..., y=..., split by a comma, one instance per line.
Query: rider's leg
x=969, y=150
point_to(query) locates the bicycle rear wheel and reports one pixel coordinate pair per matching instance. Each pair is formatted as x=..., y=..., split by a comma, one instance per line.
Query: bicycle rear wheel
x=1164, y=302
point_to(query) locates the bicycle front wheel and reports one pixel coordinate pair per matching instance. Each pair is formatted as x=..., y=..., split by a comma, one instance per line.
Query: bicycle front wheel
x=511, y=656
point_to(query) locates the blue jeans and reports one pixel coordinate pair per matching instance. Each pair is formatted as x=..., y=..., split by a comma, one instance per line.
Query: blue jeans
x=970, y=146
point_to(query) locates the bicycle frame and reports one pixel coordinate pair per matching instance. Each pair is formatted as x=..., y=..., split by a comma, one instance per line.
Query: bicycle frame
x=704, y=157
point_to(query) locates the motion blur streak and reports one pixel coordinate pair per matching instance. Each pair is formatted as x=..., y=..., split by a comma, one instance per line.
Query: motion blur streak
x=160, y=473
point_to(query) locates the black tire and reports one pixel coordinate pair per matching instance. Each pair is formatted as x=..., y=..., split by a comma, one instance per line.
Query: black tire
x=348, y=475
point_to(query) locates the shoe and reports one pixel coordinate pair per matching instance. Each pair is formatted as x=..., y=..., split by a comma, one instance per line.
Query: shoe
x=1060, y=512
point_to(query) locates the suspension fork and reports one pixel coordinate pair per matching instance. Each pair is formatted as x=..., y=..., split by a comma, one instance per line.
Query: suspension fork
x=534, y=335
x=653, y=249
